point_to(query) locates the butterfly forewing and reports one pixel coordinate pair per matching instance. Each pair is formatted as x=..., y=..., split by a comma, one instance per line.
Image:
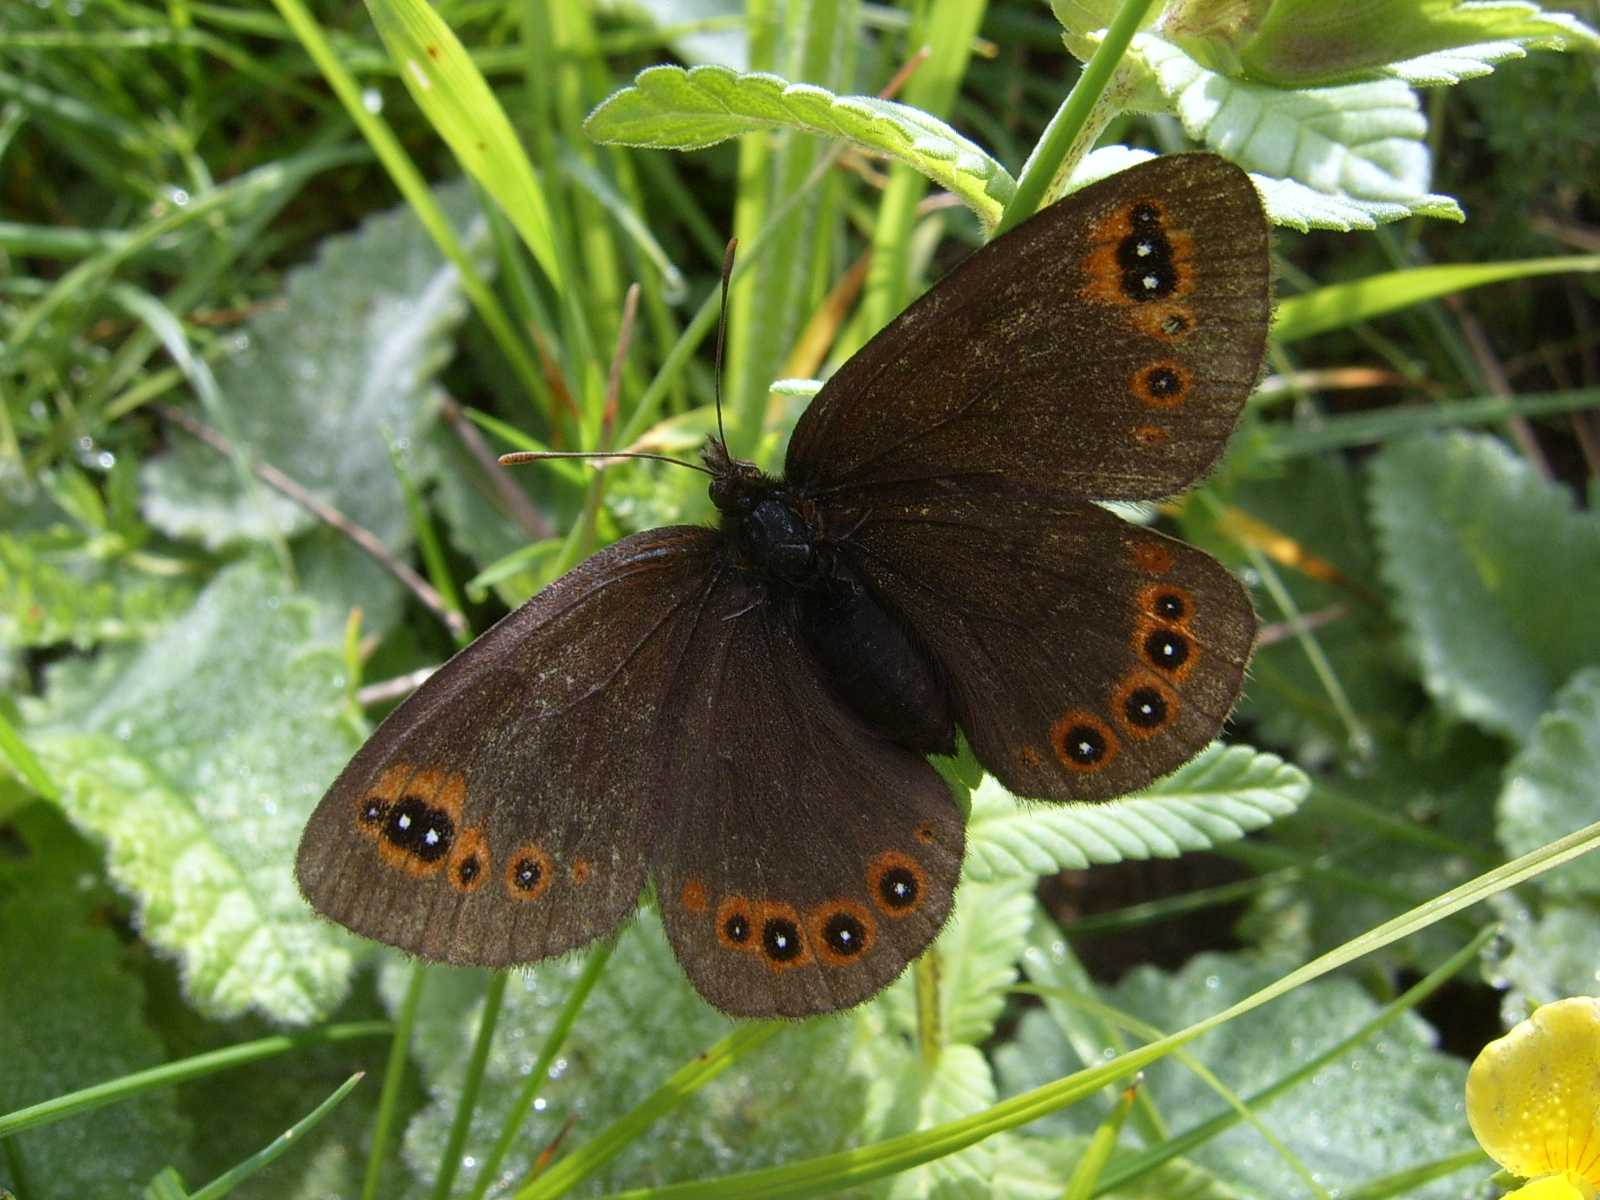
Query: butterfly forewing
x=1102, y=349
x=498, y=815
x=807, y=860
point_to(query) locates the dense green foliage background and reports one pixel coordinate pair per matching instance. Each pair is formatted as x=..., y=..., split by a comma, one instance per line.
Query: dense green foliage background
x=274, y=280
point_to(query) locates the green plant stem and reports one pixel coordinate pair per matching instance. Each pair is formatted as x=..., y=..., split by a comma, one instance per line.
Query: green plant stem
x=1067, y=126
x=73, y=1104
x=593, y=968
x=393, y=1075
x=450, y=1160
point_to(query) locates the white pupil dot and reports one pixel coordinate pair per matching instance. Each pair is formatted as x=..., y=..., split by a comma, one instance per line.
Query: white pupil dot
x=1150, y=282
x=431, y=837
x=1143, y=249
x=404, y=822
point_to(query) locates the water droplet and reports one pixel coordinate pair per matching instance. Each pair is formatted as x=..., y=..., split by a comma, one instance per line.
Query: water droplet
x=372, y=100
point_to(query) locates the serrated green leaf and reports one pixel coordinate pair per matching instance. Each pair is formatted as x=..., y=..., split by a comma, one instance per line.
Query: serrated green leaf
x=1348, y=157
x=1473, y=544
x=1224, y=793
x=71, y=1015
x=1550, y=784
x=197, y=761
x=959, y=1084
x=976, y=954
x=676, y=109
x=320, y=386
x=1302, y=43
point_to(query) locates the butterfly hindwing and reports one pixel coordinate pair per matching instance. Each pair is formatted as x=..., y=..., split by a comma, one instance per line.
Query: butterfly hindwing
x=497, y=815
x=806, y=860
x=1102, y=349
x=1086, y=656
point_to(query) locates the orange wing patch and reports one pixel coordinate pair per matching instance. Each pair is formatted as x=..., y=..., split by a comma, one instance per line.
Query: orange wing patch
x=1153, y=558
x=693, y=896
x=414, y=814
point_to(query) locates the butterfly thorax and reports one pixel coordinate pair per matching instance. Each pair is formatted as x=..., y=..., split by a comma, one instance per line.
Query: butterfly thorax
x=868, y=653
x=773, y=534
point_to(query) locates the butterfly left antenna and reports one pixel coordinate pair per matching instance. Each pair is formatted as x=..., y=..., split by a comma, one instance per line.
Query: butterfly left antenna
x=722, y=325
x=527, y=456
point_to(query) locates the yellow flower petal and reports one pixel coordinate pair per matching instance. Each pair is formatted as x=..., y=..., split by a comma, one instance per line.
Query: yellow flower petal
x=1565, y=1186
x=1533, y=1096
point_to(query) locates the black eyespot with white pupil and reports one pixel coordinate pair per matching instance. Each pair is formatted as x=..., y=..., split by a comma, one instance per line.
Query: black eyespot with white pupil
x=1163, y=382
x=780, y=938
x=527, y=873
x=897, y=887
x=1145, y=257
x=1166, y=649
x=1084, y=745
x=468, y=870
x=374, y=810
x=415, y=826
x=1145, y=708
x=737, y=928
x=1170, y=606
x=845, y=934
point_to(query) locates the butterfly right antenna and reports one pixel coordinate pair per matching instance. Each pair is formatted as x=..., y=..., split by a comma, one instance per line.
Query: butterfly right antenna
x=722, y=325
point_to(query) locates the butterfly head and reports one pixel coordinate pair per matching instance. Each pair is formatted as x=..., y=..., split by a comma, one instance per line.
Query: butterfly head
x=737, y=486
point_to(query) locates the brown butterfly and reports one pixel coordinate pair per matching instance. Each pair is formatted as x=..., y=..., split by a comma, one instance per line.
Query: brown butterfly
x=741, y=715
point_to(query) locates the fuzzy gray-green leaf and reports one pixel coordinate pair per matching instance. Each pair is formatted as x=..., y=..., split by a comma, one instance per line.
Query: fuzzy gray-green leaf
x=1492, y=570
x=197, y=761
x=321, y=384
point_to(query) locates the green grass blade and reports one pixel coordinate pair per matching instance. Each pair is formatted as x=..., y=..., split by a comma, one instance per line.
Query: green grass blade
x=451, y=92
x=292, y=1136
x=1345, y=430
x=682, y=1084
x=170, y=1074
x=1343, y=304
